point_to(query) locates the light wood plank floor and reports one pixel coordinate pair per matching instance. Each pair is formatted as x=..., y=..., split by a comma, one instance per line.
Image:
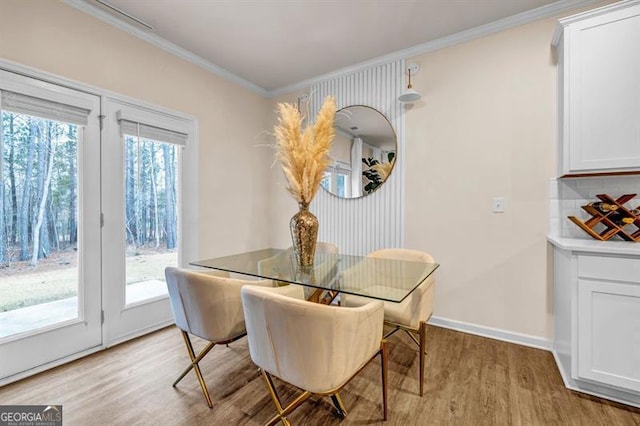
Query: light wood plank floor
x=470, y=380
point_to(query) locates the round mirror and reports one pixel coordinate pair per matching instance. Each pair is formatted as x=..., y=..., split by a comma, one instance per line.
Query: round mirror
x=363, y=152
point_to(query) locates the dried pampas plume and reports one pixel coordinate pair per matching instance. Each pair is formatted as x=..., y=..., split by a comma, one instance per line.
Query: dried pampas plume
x=383, y=169
x=304, y=154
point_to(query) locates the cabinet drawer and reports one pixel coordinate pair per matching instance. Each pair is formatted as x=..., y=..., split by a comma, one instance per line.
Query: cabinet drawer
x=611, y=268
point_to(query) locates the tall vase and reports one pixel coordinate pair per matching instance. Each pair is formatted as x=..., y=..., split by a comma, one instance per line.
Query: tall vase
x=304, y=233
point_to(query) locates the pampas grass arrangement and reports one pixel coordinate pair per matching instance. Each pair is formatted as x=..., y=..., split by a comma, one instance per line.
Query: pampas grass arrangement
x=383, y=169
x=304, y=154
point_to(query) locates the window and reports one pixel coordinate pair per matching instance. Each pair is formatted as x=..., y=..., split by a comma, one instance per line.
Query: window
x=150, y=206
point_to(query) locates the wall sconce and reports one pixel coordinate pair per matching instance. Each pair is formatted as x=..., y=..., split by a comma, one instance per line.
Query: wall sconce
x=302, y=99
x=410, y=95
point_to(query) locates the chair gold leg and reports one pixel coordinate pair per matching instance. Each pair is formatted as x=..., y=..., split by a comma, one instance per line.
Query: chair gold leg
x=384, y=366
x=282, y=413
x=197, y=360
x=289, y=409
x=389, y=334
x=194, y=365
x=337, y=402
x=422, y=348
x=272, y=390
x=276, y=400
x=410, y=334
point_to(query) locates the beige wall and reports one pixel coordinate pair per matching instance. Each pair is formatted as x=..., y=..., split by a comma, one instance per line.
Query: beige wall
x=282, y=205
x=234, y=195
x=486, y=128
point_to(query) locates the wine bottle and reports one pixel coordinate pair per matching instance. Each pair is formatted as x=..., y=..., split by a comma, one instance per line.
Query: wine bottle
x=635, y=212
x=604, y=208
x=620, y=219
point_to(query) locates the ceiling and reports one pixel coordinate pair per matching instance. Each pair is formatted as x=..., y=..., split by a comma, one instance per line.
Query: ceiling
x=367, y=123
x=275, y=44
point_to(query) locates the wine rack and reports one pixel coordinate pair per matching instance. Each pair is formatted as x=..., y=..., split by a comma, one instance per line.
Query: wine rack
x=601, y=226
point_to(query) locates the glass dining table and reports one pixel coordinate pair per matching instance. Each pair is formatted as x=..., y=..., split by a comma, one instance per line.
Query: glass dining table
x=331, y=274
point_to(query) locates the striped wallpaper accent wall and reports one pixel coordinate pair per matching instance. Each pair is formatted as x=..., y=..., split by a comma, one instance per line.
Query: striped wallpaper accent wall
x=358, y=226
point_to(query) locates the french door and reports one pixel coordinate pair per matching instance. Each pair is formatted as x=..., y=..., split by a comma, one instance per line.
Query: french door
x=93, y=207
x=142, y=155
x=50, y=248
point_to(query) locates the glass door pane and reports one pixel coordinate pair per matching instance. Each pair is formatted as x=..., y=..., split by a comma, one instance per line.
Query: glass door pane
x=38, y=223
x=142, y=196
x=151, y=220
x=50, y=287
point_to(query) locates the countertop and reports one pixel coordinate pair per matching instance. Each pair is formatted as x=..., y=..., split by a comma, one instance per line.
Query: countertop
x=595, y=246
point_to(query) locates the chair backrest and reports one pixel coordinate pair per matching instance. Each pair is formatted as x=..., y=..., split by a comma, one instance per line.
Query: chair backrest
x=403, y=254
x=207, y=305
x=323, y=247
x=312, y=346
x=275, y=266
x=419, y=305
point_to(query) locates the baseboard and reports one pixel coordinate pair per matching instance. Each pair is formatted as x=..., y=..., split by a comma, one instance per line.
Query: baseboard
x=493, y=333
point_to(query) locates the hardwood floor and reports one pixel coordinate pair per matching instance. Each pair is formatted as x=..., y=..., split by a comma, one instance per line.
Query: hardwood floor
x=470, y=380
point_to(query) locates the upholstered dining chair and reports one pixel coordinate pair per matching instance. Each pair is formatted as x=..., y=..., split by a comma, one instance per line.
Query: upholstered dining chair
x=207, y=305
x=315, y=347
x=325, y=247
x=412, y=314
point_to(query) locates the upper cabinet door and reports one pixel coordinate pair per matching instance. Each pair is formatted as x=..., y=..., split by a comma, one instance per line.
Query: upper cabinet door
x=602, y=90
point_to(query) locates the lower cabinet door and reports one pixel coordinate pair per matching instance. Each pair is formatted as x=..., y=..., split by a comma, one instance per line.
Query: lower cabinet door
x=609, y=333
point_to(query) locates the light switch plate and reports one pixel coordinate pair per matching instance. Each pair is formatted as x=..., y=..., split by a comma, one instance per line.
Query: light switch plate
x=498, y=205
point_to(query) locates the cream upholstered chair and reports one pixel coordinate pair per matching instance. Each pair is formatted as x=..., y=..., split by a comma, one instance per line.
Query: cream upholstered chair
x=324, y=247
x=207, y=305
x=315, y=347
x=412, y=314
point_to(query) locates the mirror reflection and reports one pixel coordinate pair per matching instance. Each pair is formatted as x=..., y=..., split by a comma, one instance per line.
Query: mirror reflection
x=363, y=152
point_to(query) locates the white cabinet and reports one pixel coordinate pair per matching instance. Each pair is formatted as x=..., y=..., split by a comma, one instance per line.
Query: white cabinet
x=597, y=322
x=608, y=349
x=599, y=90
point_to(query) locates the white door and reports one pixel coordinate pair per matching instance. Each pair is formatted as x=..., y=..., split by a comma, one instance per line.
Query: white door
x=609, y=333
x=50, y=271
x=143, y=189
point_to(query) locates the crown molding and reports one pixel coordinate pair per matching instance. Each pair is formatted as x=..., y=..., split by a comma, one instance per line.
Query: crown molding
x=562, y=23
x=444, y=42
x=441, y=43
x=165, y=45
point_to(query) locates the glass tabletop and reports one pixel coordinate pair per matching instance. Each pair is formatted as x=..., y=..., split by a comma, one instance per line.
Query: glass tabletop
x=385, y=279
